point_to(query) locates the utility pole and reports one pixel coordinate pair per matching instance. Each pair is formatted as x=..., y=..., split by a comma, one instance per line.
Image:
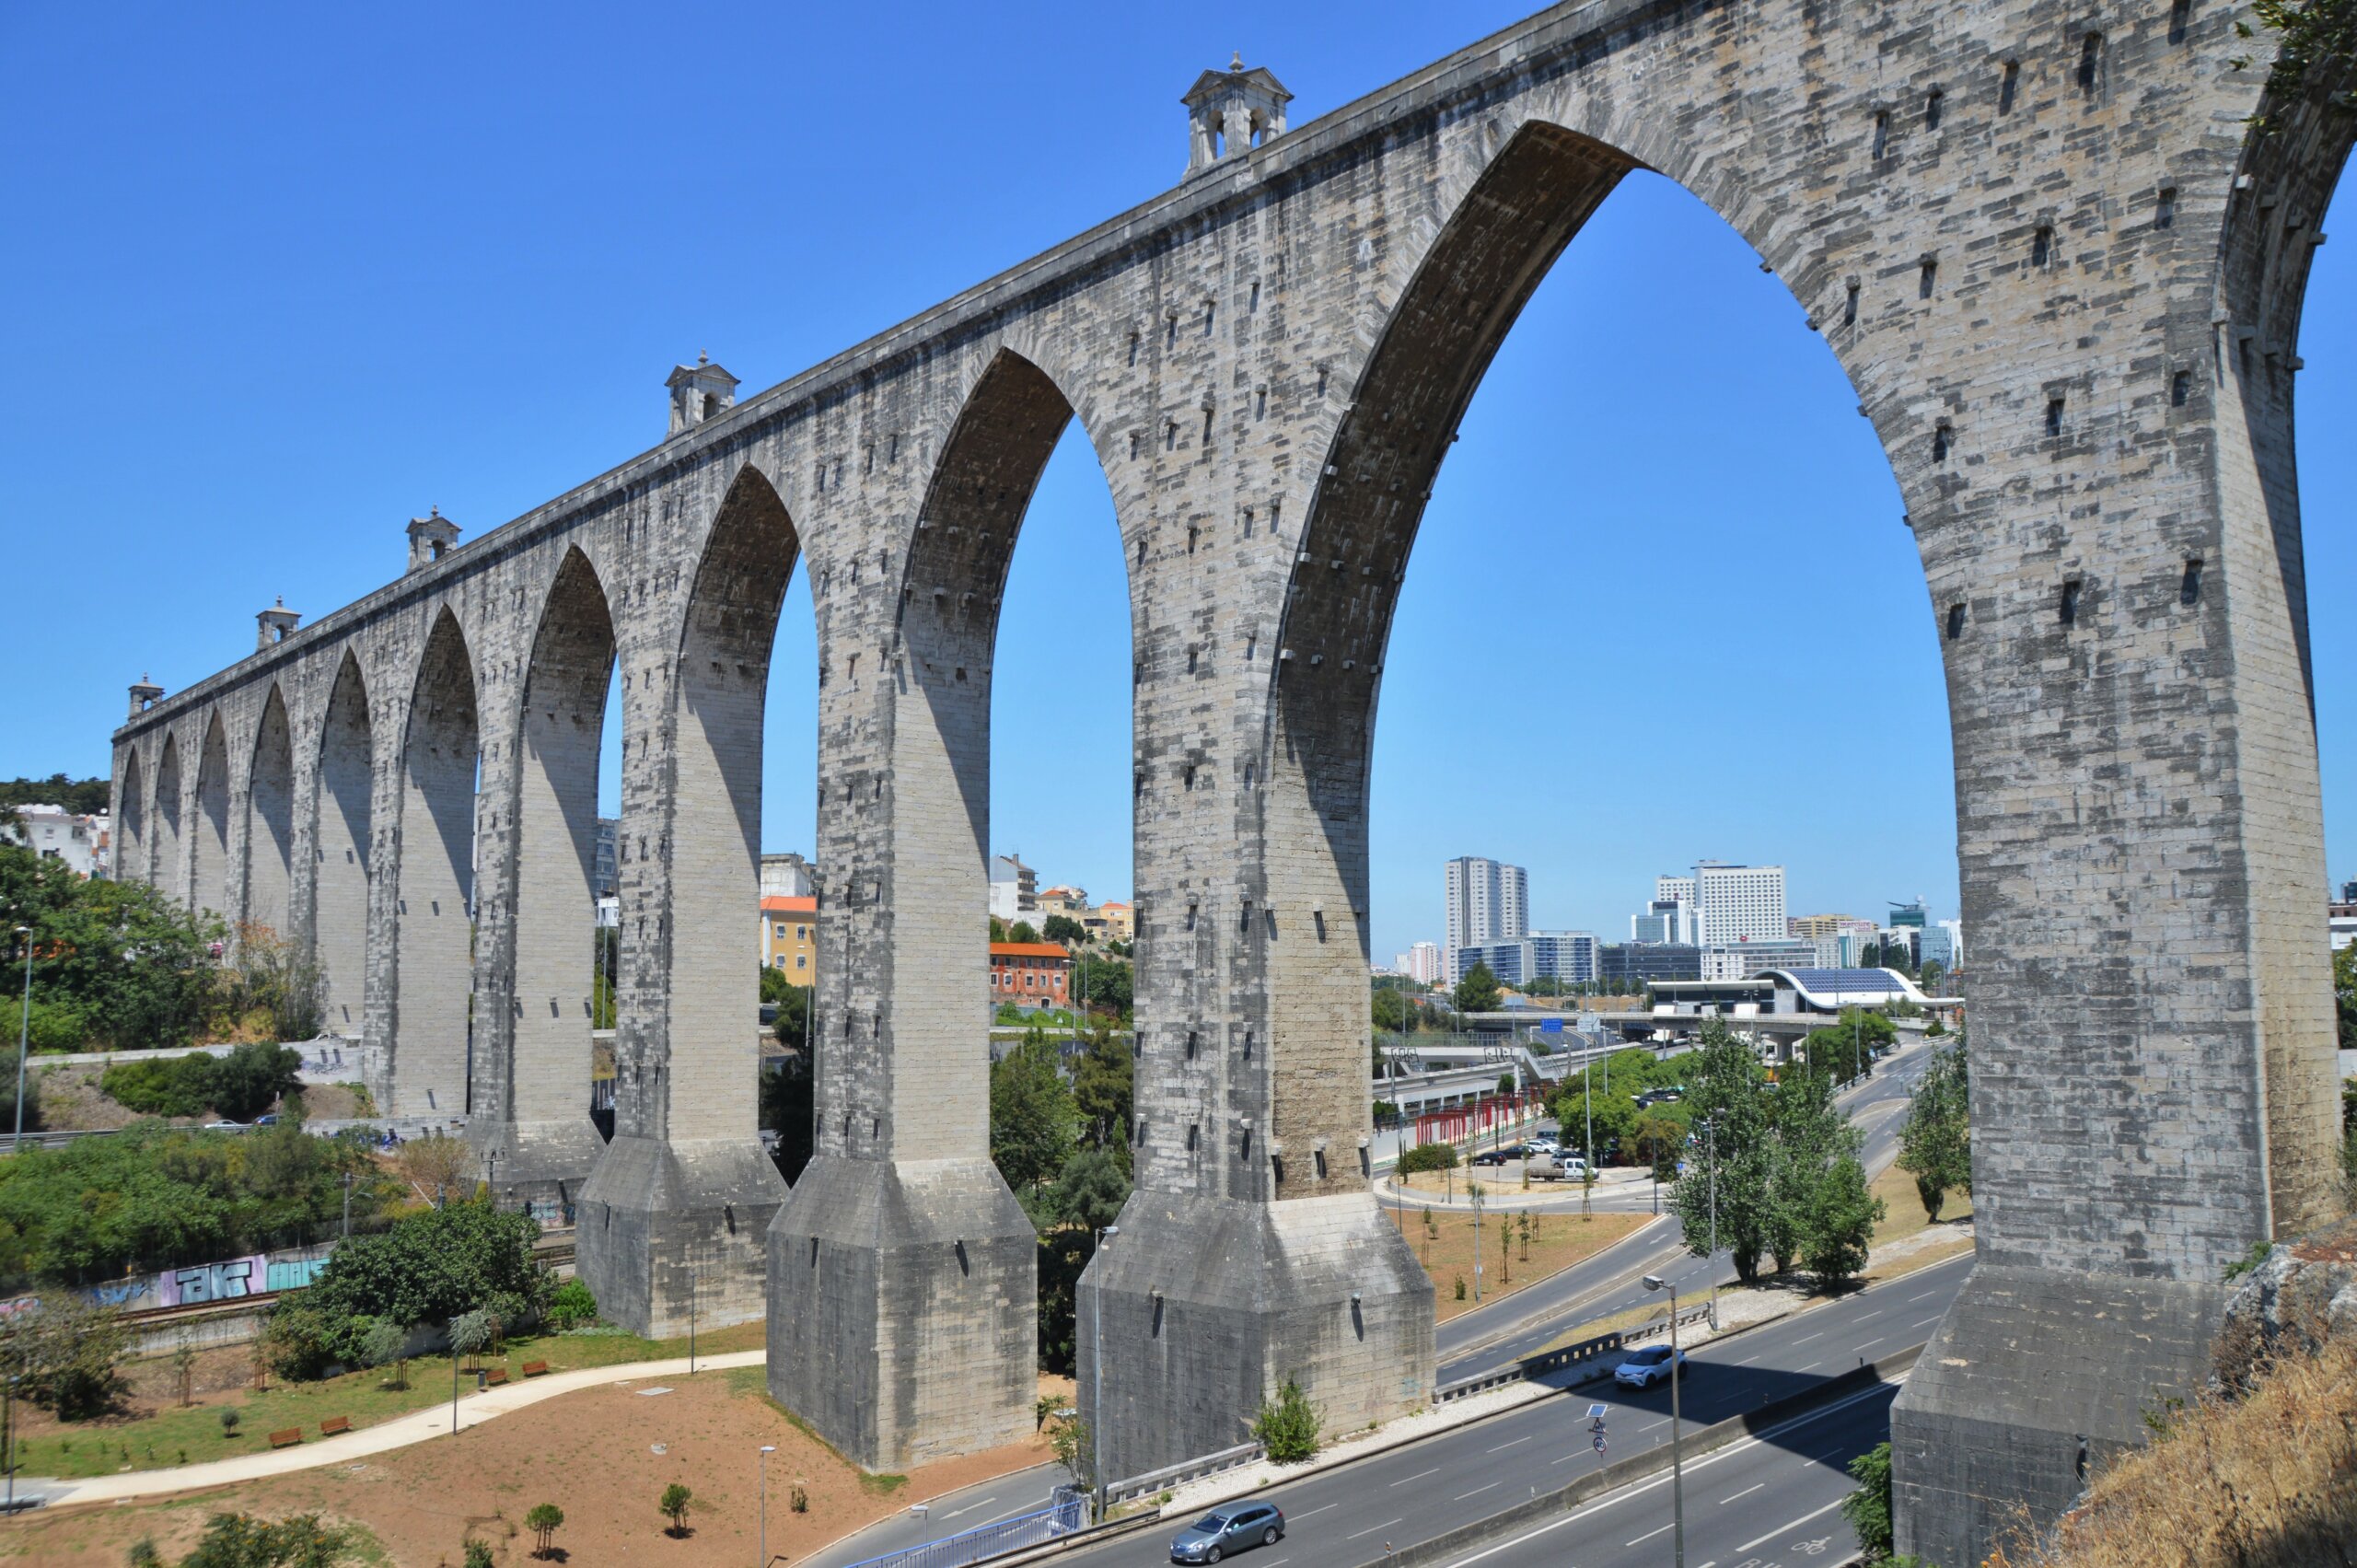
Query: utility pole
x=1712, y=1124
x=24, y=1049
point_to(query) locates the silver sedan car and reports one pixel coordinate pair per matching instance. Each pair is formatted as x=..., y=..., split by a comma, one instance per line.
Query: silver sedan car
x=1229, y=1529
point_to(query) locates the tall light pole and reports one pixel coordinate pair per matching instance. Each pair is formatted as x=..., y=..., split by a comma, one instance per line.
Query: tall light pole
x=1711, y=1125
x=1097, y=1379
x=24, y=1048
x=767, y=1449
x=1677, y=1442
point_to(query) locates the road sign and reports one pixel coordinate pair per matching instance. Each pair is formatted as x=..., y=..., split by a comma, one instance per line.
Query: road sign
x=1551, y=1026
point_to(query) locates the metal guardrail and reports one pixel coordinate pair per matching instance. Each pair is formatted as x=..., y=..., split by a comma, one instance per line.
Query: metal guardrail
x=1061, y=1517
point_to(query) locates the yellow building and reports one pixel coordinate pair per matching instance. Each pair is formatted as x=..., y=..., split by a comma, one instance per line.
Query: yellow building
x=790, y=939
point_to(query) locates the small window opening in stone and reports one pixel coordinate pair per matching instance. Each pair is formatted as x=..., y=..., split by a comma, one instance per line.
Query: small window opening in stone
x=1191, y=656
x=1207, y=427
x=2090, y=56
x=1141, y=549
x=1191, y=1045
x=710, y=406
x=2054, y=416
x=1251, y=646
x=1254, y=302
x=1955, y=621
x=1850, y=307
x=1133, y=443
x=2070, y=602
x=892, y=452
x=1322, y=380
x=819, y=478
x=2164, y=209
x=1320, y=1155
x=2181, y=15
x=1248, y=522
x=1186, y=782
x=2188, y=590
x=1170, y=332
x=2180, y=388
x=1195, y=1134
x=1932, y=107
x=1930, y=275
x=1133, y=348
x=2005, y=86
x=1261, y=403
x=2041, y=246
x=1248, y=784
x=1940, y=444
x=1170, y=437
x=1193, y=533
x=1211, y=307
x=1882, y=132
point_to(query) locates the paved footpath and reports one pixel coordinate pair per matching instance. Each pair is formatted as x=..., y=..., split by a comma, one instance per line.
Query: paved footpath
x=401, y=1431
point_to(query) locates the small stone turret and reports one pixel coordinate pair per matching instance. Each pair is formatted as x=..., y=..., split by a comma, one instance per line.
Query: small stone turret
x=274, y=625
x=430, y=538
x=144, y=694
x=1230, y=112
x=699, y=391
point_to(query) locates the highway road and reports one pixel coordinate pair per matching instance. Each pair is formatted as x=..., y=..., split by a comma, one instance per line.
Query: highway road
x=1470, y=1473
x=1342, y=1518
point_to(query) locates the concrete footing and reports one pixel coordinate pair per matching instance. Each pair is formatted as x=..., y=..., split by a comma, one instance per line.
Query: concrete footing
x=541, y=1165
x=2032, y=1380
x=667, y=1232
x=904, y=1308
x=1208, y=1305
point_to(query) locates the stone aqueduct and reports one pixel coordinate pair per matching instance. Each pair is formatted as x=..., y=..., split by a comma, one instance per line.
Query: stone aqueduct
x=2063, y=272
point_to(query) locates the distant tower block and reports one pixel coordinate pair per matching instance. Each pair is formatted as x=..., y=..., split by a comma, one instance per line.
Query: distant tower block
x=144, y=694
x=430, y=538
x=699, y=391
x=1230, y=112
x=274, y=625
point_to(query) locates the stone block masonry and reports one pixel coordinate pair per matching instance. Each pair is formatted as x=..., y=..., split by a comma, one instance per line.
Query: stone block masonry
x=2063, y=273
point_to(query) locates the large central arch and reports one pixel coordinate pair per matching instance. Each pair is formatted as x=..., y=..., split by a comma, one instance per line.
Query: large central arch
x=430, y=1015
x=344, y=852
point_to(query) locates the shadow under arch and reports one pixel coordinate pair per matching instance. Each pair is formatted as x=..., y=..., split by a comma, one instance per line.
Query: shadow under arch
x=130, y=848
x=527, y=1097
x=270, y=817
x=427, y=1009
x=166, y=851
x=343, y=849
x=209, y=846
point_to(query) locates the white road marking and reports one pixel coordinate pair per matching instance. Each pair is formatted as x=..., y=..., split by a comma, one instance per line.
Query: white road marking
x=1926, y=1296
x=1924, y=1324
x=1372, y=1528
x=972, y=1506
x=1746, y=1361
x=1794, y=1525
x=1461, y=1496
x=1810, y=1367
x=1819, y=1335
x=1876, y=1341
x=1418, y=1476
x=1524, y=1438
x=1319, y=1509
x=1650, y=1534
x=1744, y=1492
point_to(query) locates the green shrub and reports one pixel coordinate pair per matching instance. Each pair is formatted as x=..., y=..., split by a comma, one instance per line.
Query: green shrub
x=171, y=1085
x=1428, y=1156
x=241, y=1540
x=571, y=1306
x=464, y=1260
x=1287, y=1427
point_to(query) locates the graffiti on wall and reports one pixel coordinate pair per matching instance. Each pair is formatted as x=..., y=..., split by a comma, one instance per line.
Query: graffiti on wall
x=224, y=1281
x=228, y=1280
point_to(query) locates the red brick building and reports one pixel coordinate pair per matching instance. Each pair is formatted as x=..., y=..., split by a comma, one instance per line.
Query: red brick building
x=1030, y=974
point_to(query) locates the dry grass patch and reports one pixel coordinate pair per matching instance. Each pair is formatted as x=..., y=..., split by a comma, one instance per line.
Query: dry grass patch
x=1444, y=1244
x=1902, y=1207
x=2268, y=1478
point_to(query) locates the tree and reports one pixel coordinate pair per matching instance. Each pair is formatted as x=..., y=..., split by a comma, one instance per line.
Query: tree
x=1389, y=1010
x=241, y=1540
x=1064, y=929
x=8, y=1094
x=1807, y=1134
x=792, y=1024
x=471, y=1332
x=1479, y=992
x=998, y=929
x=115, y=964
x=789, y=1106
x=1724, y=1089
x=434, y=1166
x=1840, y=1226
x=386, y=1343
x=1032, y=1117
x=1103, y=1093
x=1110, y=985
x=252, y=1078
x=475, y=1552
x=2344, y=993
x=674, y=1507
x=1935, y=1141
x=543, y=1521
x=432, y=1266
x=1287, y=1425
x=1090, y=1189
x=1427, y=1156
x=83, y=797
x=1023, y=931
x=65, y=1353
x=1868, y=1509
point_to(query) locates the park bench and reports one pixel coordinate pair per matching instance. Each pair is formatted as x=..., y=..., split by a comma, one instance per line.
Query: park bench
x=495, y=1377
x=286, y=1439
x=334, y=1424
x=536, y=1369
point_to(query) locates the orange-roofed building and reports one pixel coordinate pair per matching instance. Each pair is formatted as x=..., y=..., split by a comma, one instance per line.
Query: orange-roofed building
x=790, y=939
x=1030, y=974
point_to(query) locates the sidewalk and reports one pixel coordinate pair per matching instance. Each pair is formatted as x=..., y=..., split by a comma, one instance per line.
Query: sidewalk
x=315, y=1451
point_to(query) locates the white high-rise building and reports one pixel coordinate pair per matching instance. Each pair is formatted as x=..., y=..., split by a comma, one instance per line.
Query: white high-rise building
x=1488, y=900
x=1423, y=964
x=1738, y=903
x=1678, y=891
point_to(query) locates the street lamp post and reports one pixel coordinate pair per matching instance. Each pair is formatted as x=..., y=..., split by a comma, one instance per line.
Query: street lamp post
x=767, y=1449
x=1712, y=1124
x=1096, y=1381
x=1677, y=1441
x=8, y=1440
x=24, y=1047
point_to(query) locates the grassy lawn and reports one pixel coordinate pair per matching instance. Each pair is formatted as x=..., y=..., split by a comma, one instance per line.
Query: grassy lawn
x=1444, y=1244
x=1903, y=1212
x=161, y=1435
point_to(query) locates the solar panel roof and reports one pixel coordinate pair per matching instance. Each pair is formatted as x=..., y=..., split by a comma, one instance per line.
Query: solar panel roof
x=1845, y=980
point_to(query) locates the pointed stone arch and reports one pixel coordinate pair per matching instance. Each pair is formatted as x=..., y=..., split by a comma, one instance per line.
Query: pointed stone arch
x=428, y=1011
x=130, y=838
x=167, y=859
x=342, y=856
x=530, y=1101
x=209, y=833
x=269, y=819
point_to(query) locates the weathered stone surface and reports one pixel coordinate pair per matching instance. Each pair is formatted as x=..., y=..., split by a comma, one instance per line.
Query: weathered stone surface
x=2063, y=273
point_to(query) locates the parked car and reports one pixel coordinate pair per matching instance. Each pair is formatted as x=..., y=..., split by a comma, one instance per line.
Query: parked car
x=267, y=1119
x=1229, y=1529
x=225, y=1126
x=1648, y=1367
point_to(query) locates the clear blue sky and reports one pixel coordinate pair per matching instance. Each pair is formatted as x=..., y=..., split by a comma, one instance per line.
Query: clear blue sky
x=282, y=276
